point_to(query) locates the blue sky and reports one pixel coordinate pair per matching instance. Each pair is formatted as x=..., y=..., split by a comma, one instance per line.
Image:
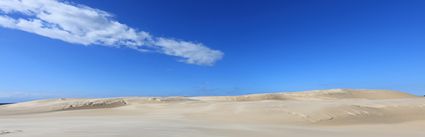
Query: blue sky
x=213, y=47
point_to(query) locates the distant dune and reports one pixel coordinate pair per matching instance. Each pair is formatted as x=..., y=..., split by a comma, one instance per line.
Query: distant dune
x=336, y=112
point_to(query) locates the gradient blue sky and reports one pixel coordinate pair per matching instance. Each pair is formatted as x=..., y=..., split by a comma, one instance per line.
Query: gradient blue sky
x=268, y=46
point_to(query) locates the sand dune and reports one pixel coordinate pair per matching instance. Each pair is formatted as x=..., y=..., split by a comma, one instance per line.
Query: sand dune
x=338, y=112
x=317, y=95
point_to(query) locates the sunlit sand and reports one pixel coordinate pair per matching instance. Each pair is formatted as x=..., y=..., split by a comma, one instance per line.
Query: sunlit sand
x=321, y=113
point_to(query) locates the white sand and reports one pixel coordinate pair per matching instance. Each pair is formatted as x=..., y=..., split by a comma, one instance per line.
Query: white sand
x=327, y=113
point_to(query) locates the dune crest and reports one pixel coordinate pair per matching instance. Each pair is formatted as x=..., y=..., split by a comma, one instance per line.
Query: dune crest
x=335, y=94
x=342, y=106
x=354, y=112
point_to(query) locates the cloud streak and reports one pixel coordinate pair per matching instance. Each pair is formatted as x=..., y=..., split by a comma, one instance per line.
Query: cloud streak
x=79, y=24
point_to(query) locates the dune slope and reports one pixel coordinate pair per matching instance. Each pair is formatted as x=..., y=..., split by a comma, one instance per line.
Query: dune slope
x=273, y=114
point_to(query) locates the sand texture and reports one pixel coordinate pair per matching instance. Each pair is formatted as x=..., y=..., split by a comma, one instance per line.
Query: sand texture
x=320, y=113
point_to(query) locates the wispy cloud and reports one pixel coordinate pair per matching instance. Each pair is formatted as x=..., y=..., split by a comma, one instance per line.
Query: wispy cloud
x=84, y=25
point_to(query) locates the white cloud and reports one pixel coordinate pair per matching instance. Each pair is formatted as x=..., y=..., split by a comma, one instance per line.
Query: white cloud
x=83, y=25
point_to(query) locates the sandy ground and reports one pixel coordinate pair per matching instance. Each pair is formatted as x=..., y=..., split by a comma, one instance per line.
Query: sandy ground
x=324, y=113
